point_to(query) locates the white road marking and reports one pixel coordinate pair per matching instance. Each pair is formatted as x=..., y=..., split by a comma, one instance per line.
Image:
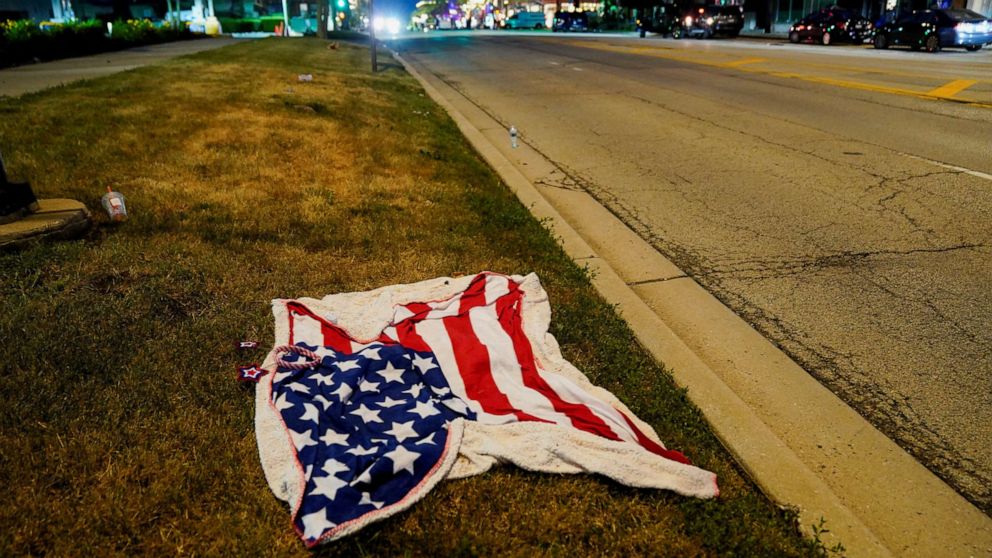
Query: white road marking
x=979, y=174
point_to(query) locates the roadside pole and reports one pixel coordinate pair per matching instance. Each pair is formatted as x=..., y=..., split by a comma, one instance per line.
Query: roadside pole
x=375, y=67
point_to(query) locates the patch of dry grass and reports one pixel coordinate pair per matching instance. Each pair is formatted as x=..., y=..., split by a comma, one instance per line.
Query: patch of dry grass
x=122, y=431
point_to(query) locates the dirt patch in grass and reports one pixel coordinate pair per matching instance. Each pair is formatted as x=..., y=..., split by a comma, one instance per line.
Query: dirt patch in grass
x=122, y=431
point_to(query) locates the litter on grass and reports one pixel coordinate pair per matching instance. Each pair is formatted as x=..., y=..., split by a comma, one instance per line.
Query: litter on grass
x=113, y=204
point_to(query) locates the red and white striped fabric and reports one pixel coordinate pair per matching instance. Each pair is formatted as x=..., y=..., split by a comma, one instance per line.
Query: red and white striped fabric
x=489, y=336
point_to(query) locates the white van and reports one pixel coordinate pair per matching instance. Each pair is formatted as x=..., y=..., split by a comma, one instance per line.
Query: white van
x=526, y=20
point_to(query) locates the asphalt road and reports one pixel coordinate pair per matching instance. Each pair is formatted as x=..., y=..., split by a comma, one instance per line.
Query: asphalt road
x=837, y=198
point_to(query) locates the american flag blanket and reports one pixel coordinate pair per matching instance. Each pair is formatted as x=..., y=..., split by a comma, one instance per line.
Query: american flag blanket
x=381, y=394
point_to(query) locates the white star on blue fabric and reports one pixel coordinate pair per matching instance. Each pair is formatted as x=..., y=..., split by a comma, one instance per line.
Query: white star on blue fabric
x=310, y=413
x=302, y=439
x=424, y=364
x=343, y=392
x=346, y=365
x=333, y=467
x=323, y=379
x=424, y=409
x=314, y=524
x=328, y=486
x=282, y=403
x=415, y=390
x=322, y=400
x=402, y=430
x=402, y=459
x=368, y=415
x=361, y=450
x=364, y=478
x=299, y=388
x=369, y=386
x=429, y=440
x=388, y=402
x=332, y=438
x=391, y=373
x=372, y=353
x=367, y=501
x=456, y=405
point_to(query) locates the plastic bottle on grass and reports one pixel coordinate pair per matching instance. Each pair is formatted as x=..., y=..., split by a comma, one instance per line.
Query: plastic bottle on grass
x=113, y=202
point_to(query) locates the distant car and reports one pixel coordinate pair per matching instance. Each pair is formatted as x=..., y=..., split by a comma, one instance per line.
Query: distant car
x=831, y=25
x=933, y=30
x=570, y=21
x=661, y=19
x=526, y=20
x=708, y=21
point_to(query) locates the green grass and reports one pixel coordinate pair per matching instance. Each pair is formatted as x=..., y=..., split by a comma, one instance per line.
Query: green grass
x=122, y=429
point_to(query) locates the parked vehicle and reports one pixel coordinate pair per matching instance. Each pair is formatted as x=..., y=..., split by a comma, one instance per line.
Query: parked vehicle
x=526, y=20
x=933, y=30
x=661, y=19
x=570, y=21
x=708, y=21
x=831, y=25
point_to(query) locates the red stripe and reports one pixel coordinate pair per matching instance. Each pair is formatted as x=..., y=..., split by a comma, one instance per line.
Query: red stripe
x=292, y=321
x=475, y=295
x=508, y=312
x=475, y=368
x=407, y=335
x=334, y=337
x=418, y=310
x=653, y=446
x=385, y=339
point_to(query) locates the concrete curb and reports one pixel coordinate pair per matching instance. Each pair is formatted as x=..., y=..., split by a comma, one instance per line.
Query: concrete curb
x=803, y=446
x=56, y=218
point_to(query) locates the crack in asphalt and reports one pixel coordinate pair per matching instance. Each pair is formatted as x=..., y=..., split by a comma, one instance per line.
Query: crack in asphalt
x=925, y=299
x=655, y=281
x=773, y=268
x=559, y=180
x=883, y=406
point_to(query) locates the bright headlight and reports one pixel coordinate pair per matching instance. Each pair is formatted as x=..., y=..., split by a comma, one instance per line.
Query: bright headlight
x=709, y=21
x=688, y=20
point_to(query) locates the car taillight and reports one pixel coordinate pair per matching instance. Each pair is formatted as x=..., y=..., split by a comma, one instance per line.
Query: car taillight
x=841, y=25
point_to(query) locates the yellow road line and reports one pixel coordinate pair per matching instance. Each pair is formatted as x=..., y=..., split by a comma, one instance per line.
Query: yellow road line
x=743, y=62
x=806, y=64
x=944, y=92
x=953, y=88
